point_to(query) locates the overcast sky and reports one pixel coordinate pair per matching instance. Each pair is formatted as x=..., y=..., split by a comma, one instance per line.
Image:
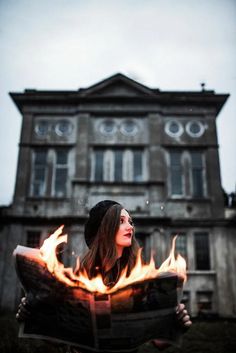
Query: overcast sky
x=68, y=44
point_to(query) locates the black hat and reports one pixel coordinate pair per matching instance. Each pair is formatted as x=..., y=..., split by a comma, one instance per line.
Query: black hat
x=96, y=215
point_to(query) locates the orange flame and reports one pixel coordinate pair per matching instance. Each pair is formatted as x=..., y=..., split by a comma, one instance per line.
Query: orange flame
x=140, y=272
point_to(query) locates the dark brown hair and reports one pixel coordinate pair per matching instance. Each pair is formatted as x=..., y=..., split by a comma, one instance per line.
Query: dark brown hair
x=102, y=255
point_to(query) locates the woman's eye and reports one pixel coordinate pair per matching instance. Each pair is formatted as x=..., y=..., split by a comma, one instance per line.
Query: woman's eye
x=122, y=220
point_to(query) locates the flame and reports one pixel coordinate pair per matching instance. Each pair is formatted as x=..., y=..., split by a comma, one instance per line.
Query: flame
x=140, y=272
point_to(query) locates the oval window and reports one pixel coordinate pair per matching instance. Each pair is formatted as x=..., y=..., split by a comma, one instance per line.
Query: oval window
x=174, y=128
x=42, y=128
x=108, y=127
x=63, y=128
x=195, y=128
x=129, y=128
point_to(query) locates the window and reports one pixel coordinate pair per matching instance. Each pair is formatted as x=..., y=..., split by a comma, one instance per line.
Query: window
x=181, y=245
x=118, y=165
x=173, y=128
x=108, y=166
x=39, y=173
x=33, y=239
x=176, y=173
x=108, y=127
x=202, y=255
x=128, y=165
x=197, y=174
x=63, y=128
x=60, y=173
x=129, y=128
x=195, y=128
x=99, y=165
x=138, y=165
x=49, y=173
x=187, y=175
x=204, y=301
x=45, y=127
x=42, y=128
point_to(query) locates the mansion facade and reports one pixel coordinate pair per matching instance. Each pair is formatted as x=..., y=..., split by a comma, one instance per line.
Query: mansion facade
x=154, y=151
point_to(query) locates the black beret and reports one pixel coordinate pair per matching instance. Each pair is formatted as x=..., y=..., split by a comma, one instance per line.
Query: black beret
x=96, y=215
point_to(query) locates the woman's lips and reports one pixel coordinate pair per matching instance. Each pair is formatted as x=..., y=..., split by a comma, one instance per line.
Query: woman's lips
x=128, y=235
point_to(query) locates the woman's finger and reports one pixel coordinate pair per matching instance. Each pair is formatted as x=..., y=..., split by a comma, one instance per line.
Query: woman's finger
x=180, y=307
x=188, y=323
x=186, y=318
x=23, y=301
x=23, y=312
x=182, y=314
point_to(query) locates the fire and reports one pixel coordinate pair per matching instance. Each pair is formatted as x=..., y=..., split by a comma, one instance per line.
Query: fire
x=140, y=272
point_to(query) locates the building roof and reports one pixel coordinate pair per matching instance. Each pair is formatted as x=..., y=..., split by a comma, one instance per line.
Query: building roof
x=116, y=88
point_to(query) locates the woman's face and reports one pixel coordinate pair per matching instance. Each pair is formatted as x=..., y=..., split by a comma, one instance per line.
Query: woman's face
x=124, y=234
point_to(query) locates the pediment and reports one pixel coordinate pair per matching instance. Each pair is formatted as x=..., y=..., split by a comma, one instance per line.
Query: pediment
x=118, y=85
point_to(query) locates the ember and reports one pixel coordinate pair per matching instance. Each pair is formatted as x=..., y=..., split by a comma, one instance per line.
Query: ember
x=75, y=278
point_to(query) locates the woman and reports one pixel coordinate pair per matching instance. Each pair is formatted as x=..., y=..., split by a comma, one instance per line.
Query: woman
x=109, y=234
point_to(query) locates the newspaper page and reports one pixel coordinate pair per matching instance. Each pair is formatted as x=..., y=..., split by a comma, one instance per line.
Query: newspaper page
x=123, y=320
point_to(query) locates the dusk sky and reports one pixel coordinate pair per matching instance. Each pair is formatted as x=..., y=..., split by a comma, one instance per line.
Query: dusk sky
x=173, y=45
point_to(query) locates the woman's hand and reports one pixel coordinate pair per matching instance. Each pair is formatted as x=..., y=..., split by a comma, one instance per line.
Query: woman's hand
x=23, y=312
x=183, y=321
x=183, y=317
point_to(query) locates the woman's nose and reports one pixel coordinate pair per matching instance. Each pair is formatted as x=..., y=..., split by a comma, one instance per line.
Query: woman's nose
x=129, y=226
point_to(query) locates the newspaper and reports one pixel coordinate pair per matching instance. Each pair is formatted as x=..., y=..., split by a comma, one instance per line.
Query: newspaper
x=116, y=322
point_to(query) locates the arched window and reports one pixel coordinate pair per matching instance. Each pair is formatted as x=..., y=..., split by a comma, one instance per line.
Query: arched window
x=187, y=174
x=118, y=165
x=108, y=166
x=128, y=165
x=176, y=172
x=49, y=175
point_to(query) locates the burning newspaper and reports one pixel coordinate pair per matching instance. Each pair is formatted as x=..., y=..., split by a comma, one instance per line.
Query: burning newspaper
x=71, y=314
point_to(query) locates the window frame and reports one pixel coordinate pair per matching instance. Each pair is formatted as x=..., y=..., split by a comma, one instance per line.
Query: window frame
x=200, y=169
x=35, y=167
x=168, y=128
x=172, y=171
x=33, y=234
x=56, y=168
x=51, y=167
x=110, y=163
x=195, y=134
x=205, y=247
x=184, y=172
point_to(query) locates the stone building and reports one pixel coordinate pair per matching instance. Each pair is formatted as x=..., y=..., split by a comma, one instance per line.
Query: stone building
x=154, y=151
